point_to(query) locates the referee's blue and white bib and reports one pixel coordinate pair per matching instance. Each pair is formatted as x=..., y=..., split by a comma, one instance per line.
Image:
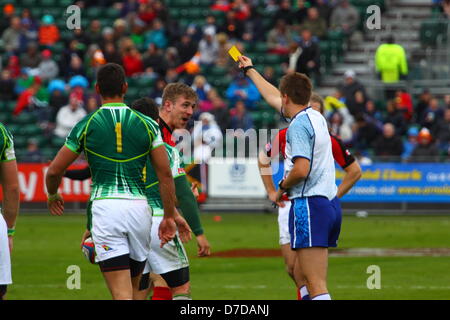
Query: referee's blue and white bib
x=314, y=222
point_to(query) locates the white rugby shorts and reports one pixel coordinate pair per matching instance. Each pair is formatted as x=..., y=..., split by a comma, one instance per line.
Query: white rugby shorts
x=5, y=259
x=283, y=223
x=121, y=226
x=172, y=256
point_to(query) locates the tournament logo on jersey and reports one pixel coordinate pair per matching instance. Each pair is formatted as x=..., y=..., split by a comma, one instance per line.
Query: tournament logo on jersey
x=106, y=248
x=181, y=171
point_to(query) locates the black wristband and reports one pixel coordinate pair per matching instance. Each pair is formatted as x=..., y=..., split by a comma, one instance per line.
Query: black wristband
x=245, y=69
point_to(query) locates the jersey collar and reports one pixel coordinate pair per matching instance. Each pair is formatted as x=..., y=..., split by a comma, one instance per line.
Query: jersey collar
x=308, y=107
x=162, y=124
x=114, y=104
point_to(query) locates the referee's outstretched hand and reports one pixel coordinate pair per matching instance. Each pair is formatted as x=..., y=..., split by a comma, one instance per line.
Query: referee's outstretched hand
x=244, y=61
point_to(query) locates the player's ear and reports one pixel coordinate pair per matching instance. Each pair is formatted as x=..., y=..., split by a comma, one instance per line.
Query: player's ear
x=97, y=89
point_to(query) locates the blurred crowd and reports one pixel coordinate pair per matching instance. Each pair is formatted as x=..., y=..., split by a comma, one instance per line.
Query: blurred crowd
x=392, y=129
x=50, y=74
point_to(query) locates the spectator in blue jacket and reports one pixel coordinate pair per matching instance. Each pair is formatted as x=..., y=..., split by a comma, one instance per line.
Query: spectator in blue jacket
x=245, y=90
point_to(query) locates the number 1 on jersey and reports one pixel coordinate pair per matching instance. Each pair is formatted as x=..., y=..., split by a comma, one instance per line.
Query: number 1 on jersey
x=119, y=137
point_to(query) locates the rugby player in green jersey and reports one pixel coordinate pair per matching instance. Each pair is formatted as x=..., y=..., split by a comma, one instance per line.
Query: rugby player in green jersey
x=117, y=141
x=10, y=208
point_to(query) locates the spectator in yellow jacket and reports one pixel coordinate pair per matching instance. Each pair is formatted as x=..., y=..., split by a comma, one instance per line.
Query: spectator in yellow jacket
x=390, y=61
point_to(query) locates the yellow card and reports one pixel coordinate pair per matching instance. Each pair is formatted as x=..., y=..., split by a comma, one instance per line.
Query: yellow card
x=234, y=53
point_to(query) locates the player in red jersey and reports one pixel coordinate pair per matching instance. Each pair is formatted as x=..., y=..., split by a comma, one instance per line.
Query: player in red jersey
x=276, y=149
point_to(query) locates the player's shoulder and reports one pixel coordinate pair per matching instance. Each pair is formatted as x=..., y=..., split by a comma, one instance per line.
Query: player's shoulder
x=145, y=119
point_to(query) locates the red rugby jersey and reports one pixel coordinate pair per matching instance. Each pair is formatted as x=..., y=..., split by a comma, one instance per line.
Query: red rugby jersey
x=166, y=133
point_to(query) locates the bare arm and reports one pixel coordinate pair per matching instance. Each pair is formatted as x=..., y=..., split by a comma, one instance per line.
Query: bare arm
x=352, y=175
x=160, y=163
x=55, y=172
x=298, y=173
x=11, y=192
x=269, y=92
x=172, y=219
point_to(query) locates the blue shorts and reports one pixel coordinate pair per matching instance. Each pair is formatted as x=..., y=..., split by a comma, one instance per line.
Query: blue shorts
x=314, y=222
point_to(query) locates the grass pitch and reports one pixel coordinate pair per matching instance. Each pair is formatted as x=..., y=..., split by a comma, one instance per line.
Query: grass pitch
x=46, y=246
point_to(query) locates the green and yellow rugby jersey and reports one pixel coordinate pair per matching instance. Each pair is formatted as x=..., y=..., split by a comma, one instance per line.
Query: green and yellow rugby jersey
x=116, y=141
x=6, y=145
x=152, y=183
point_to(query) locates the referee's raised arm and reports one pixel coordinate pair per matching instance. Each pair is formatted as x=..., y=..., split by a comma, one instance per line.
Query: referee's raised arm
x=269, y=92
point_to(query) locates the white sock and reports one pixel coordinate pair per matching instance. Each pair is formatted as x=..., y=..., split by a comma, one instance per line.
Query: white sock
x=304, y=292
x=324, y=296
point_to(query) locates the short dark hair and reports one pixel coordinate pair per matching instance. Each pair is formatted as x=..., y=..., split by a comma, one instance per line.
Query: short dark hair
x=297, y=87
x=146, y=106
x=110, y=80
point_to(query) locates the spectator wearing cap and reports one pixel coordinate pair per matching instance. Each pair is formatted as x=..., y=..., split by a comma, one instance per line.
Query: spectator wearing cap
x=344, y=18
x=68, y=116
x=243, y=89
x=315, y=23
x=349, y=88
x=48, y=31
x=48, y=68
x=410, y=144
x=279, y=38
x=208, y=48
x=156, y=35
x=11, y=36
x=389, y=145
x=426, y=150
